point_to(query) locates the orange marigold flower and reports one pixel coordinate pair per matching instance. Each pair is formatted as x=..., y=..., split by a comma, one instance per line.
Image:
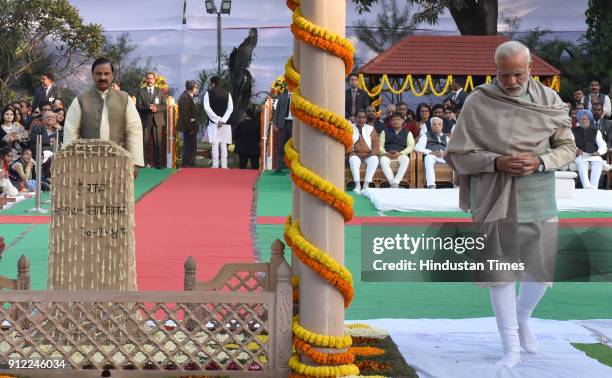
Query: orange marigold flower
x=332, y=48
x=366, y=351
x=323, y=358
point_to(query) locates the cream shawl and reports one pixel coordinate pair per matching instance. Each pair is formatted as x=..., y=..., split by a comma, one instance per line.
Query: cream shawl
x=493, y=124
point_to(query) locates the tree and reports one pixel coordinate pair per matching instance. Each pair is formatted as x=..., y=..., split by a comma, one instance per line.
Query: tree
x=29, y=28
x=392, y=24
x=599, y=37
x=235, y=75
x=127, y=71
x=571, y=58
x=473, y=17
x=512, y=25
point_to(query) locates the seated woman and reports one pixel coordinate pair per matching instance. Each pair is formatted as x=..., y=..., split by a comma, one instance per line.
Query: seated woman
x=6, y=186
x=60, y=115
x=12, y=134
x=24, y=169
x=423, y=114
x=590, y=146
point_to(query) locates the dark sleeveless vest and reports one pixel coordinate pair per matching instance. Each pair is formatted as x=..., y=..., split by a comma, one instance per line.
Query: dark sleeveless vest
x=91, y=103
x=396, y=141
x=601, y=98
x=433, y=144
x=585, y=138
x=218, y=101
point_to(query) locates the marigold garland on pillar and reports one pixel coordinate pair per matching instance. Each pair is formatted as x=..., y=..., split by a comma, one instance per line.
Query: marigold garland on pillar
x=338, y=128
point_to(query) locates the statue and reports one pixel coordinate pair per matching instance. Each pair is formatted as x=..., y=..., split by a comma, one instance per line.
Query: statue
x=240, y=77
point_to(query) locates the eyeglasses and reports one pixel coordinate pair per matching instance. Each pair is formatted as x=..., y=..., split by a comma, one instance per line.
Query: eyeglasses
x=518, y=75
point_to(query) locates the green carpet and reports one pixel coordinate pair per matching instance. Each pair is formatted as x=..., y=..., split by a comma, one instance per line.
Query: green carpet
x=581, y=300
x=600, y=352
x=10, y=232
x=148, y=178
x=274, y=199
x=33, y=240
x=34, y=244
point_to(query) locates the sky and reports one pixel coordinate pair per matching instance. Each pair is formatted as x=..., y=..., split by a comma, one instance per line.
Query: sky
x=179, y=51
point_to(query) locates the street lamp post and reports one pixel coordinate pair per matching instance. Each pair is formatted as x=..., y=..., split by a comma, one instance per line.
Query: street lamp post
x=211, y=8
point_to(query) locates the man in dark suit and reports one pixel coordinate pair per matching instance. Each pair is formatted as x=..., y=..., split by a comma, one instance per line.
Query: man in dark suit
x=151, y=104
x=46, y=92
x=459, y=95
x=188, y=122
x=283, y=124
x=599, y=121
x=355, y=99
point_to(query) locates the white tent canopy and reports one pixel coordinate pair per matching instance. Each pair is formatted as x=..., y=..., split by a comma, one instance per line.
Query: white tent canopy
x=179, y=51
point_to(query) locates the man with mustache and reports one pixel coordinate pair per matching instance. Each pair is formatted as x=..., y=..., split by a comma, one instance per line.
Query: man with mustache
x=510, y=138
x=106, y=113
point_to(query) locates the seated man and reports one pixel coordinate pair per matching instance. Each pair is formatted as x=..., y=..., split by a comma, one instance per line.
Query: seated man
x=372, y=119
x=432, y=144
x=589, y=148
x=365, y=150
x=391, y=108
x=437, y=111
x=396, y=143
x=409, y=121
x=47, y=131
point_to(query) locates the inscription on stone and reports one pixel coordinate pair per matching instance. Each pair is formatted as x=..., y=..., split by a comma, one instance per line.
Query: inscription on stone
x=92, y=227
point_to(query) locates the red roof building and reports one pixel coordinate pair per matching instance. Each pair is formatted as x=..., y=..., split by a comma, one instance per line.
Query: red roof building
x=446, y=55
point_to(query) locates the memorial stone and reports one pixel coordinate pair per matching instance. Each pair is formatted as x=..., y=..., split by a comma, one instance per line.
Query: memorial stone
x=92, y=243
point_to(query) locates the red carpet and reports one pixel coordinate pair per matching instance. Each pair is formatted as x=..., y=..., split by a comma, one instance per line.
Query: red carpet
x=24, y=219
x=204, y=213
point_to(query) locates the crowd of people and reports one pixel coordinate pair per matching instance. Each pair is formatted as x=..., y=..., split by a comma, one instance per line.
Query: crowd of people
x=144, y=118
x=47, y=116
x=22, y=123
x=380, y=140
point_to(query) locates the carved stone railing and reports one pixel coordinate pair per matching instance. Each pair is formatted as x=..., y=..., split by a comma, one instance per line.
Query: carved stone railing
x=22, y=282
x=211, y=332
x=256, y=278
x=239, y=276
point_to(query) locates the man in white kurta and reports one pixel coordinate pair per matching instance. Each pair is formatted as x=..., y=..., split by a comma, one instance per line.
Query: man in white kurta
x=219, y=107
x=590, y=146
x=432, y=145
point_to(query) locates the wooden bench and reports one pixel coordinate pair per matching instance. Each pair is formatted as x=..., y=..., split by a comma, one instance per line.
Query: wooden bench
x=409, y=180
x=444, y=173
x=606, y=172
